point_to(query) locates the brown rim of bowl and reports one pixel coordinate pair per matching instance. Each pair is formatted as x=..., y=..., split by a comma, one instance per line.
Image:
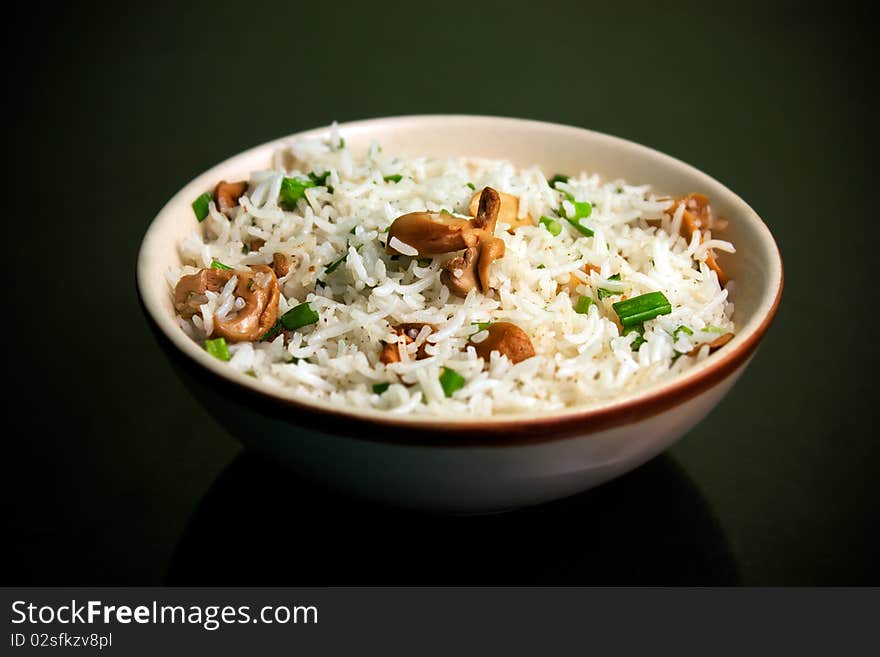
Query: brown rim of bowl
x=503, y=432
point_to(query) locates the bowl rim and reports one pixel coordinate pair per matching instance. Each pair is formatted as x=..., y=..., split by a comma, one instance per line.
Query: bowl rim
x=441, y=430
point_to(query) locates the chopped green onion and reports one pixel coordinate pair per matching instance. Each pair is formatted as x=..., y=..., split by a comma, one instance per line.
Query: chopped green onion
x=642, y=308
x=379, y=388
x=481, y=326
x=352, y=231
x=639, y=329
x=541, y=266
x=251, y=373
x=395, y=178
x=471, y=185
x=245, y=248
x=681, y=329
x=580, y=227
x=451, y=381
x=620, y=190
x=217, y=348
x=293, y=189
x=319, y=180
x=200, y=206
x=582, y=306
x=272, y=332
x=714, y=329
x=424, y=262
x=216, y=264
x=341, y=143
x=582, y=210
x=299, y=316
x=557, y=178
x=552, y=226
x=604, y=292
x=445, y=211
x=333, y=265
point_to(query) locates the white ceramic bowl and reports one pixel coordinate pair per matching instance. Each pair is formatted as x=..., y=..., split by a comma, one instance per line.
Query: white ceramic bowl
x=459, y=464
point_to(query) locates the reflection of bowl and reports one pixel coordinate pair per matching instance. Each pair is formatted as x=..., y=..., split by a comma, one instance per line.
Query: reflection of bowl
x=459, y=463
x=648, y=527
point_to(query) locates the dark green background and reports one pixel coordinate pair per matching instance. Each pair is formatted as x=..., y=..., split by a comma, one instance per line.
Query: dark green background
x=117, y=476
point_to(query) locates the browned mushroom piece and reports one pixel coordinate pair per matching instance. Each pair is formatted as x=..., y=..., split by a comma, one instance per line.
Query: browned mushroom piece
x=189, y=293
x=508, y=213
x=431, y=233
x=460, y=273
x=715, y=344
x=226, y=195
x=491, y=249
x=280, y=264
x=698, y=215
x=505, y=338
x=390, y=350
x=258, y=288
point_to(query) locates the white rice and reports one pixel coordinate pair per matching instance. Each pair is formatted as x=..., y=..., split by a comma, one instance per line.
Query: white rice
x=580, y=358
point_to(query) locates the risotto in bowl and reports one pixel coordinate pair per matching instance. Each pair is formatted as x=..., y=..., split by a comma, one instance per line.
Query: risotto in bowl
x=455, y=312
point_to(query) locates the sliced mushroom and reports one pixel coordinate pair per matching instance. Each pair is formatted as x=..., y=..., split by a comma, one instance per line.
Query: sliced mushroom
x=391, y=351
x=280, y=264
x=460, y=273
x=226, y=195
x=491, y=249
x=508, y=213
x=505, y=338
x=258, y=288
x=431, y=233
x=189, y=293
x=715, y=344
x=698, y=215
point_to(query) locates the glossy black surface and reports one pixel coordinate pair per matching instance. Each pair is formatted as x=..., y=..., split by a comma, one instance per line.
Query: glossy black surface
x=116, y=475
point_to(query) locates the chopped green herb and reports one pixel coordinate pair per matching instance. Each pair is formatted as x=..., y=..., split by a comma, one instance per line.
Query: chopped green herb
x=200, y=206
x=471, y=185
x=583, y=305
x=272, y=333
x=217, y=348
x=395, y=178
x=341, y=143
x=293, y=189
x=379, y=388
x=333, y=265
x=251, y=373
x=245, y=248
x=351, y=232
x=620, y=190
x=642, y=308
x=677, y=355
x=580, y=227
x=604, y=293
x=445, y=211
x=681, y=329
x=552, y=226
x=557, y=179
x=714, y=329
x=424, y=262
x=481, y=326
x=319, y=180
x=541, y=266
x=451, y=381
x=299, y=316
x=639, y=329
x=216, y=264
